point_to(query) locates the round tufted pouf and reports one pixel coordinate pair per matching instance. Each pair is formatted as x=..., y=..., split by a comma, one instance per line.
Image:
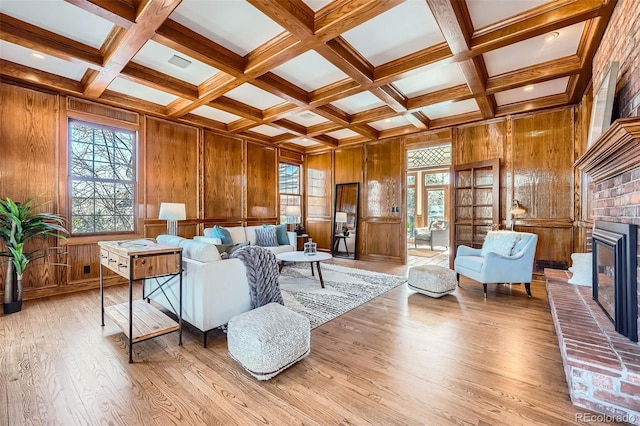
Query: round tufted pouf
x=268, y=339
x=432, y=280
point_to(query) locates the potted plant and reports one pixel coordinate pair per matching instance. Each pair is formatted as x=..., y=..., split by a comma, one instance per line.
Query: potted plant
x=19, y=223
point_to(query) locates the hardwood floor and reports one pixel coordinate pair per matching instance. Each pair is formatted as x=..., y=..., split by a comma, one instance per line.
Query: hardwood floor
x=401, y=359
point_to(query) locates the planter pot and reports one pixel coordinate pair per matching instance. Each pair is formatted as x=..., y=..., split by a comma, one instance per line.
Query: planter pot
x=10, y=308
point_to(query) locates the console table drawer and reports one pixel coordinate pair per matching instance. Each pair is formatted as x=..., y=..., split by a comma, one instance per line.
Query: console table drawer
x=153, y=266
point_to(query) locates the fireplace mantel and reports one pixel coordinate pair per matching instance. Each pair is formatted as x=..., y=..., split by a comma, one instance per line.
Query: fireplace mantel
x=615, y=152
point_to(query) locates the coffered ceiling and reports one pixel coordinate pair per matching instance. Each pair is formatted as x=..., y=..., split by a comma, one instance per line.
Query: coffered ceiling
x=308, y=73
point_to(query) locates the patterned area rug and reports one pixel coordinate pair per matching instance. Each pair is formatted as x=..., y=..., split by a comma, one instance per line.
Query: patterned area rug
x=423, y=252
x=345, y=289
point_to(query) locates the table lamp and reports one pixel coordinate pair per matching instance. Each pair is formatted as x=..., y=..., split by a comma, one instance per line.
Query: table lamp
x=516, y=210
x=341, y=217
x=293, y=214
x=172, y=213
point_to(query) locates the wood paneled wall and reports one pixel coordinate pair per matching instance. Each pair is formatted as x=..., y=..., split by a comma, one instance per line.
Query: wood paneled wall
x=209, y=172
x=319, y=198
x=28, y=165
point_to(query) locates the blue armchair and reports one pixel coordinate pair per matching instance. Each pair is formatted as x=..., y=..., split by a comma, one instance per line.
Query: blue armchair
x=505, y=257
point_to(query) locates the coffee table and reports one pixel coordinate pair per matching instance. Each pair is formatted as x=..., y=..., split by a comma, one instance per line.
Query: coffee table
x=298, y=256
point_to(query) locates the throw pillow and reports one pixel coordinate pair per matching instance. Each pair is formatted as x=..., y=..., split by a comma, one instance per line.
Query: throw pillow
x=501, y=242
x=266, y=237
x=230, y=248
x=281, y=233
x=223, y=234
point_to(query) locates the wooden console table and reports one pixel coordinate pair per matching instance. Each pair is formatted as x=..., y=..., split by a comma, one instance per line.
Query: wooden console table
x=136, y=260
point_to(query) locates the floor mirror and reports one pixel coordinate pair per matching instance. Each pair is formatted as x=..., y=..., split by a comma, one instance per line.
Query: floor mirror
x=345, y=220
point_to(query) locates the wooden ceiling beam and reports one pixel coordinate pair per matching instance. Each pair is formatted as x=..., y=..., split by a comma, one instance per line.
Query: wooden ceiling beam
x=347, y=59
x=130, y=103
x=418, y=120
x=322, y=128
x=279, y=111
x=391, y=96
x=587, y=50
x=348, y=14
x=17, y=72
x=536, y=104
x=550, y=70
x=188, y=42
x=290, y=126
x=115, y=12
x=452, y=18
x=292, y=15
x=497, y=36
x=282, y=88
x=31, y=37
x=126, y=44
x=238, y=108
x=374, y=114
x=457, y=93
x=157, y=80
x=241, y=125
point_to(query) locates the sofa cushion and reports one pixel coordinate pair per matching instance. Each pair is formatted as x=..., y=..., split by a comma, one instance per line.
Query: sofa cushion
x=501, y=242
x=219, y=232
x=266, y=237
x=238, y=235
x=170, y=240
x=281, y=233
x=202, y=252
x=230, y=248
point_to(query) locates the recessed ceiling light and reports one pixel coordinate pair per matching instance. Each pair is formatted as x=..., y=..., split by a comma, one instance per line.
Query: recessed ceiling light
x=529, y=88
x=388, y=120
x=307, y=115
x=304, y=139
x=37, y=55
x=552, y=36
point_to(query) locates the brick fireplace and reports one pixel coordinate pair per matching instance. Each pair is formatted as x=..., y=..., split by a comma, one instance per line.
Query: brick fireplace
x=602, y=367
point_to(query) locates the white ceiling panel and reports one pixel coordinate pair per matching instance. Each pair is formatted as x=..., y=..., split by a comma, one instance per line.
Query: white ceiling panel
x=534, y=51
x=316, y=5
x=23, y=56
x=447, y=109
x=215, y=114
x=310, y=71
x=263, y=129
x=363, y=101
x=306, y=118
x=430, y=78
x=343, y=134
x=396, y=33
x=486, y=12
x=155, y=56
x=61, y=18
x=390, y=123
x=304, y=142
x=552, y=87
x=136, y=90
x=236, y=25
x=254, y=96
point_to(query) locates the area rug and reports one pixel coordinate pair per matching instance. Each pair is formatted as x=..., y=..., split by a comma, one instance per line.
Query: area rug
x=423, y=252
x=345, y=289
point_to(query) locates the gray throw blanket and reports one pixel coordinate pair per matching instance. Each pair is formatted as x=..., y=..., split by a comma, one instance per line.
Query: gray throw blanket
x=262, y=274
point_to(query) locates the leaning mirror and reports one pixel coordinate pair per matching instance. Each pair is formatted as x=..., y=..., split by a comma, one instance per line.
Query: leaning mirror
x=345, y=220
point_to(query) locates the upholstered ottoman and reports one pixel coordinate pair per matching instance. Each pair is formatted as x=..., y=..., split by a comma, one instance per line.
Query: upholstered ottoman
x=432, y=280
x=268, y=339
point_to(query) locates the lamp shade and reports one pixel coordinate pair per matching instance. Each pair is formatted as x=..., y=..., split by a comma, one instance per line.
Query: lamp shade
x=172, y=211
x=517, y=208
x=292, y=211
x=341, y=217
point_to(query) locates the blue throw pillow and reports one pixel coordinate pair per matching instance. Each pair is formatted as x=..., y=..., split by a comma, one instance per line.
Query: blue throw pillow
x=223, y=234
x=281, y=233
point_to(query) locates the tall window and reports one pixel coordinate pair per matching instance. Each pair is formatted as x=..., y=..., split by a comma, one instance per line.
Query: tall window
x=290, y=189
x=102, y=173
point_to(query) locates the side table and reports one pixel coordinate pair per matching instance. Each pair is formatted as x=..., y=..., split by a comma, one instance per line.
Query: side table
x=301, y=239
x=136, y=260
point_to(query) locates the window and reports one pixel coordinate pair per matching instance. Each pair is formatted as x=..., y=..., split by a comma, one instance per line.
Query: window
x=290, y=192
x=102, y=178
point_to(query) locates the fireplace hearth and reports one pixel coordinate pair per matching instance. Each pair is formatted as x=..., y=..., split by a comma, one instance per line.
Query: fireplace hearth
x=615, y=274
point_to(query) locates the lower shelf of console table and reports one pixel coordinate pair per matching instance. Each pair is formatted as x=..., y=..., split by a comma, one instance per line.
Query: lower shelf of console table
x=148, y=322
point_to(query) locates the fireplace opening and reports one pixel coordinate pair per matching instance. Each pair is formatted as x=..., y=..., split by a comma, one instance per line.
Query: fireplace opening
x=615, y=274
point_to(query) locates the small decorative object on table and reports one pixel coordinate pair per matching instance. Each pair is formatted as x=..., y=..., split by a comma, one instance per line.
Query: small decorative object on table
x=310, y=248
x=299, y=230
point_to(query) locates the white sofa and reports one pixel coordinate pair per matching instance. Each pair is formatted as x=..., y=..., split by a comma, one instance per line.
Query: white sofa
x=240, y=234
x=213, y=289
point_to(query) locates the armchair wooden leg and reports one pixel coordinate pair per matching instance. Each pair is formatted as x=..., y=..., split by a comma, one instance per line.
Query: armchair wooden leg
x=484, y=287
x=527, y=287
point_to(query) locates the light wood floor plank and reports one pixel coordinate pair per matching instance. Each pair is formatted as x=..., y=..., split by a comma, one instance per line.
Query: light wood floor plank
x=401, y=359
